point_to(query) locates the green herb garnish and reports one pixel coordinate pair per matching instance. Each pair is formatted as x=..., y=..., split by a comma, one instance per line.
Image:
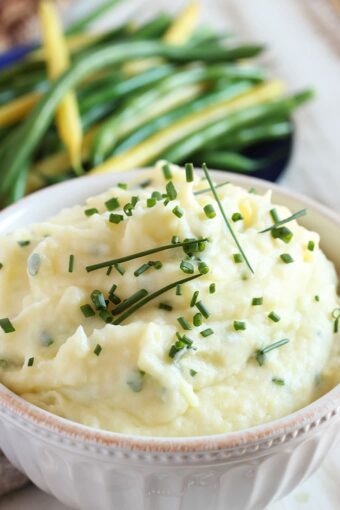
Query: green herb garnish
x=109, y=270
x=260, y=354
x=336, y=317
x=6, y=325
x=167, y=171
x=278, y=381
x=119, y=268
x=274, y=317
x=116, y=218
x=157, y=195
x=165, y=306
x=87, y=311
x=282, y=233
x=203, y=268
x=122, y=185
x=177, y=211
x=137, y=255
x=239, y=325
x=197, y=319
x=91, y=212
x=106, y=316
x=286, y=258
x=212, y=187
x=97, y=350
x=192, y=372
x=30, y=362
x=237, y=217
x=151, y=202
x=184, y=323
x=112, y=204
x=274, y=214
x=178, y=290
x=238, y=259
x=204, y=311
x=317, y=298
x=130, y=301
x=174, y=240
x=187, y=267
x=171, y=192
x=209, y=211
x=24, y=242
x=295, y=216
x=311, y=245
x=98, y=299
x=207, y=332
x=71, y=264
x=189, y=172
x=142, y=269
x=194, y=298
x=212, y=288
x=208, y=190
x=257, y=301
x=1, y=265
x=152, y=296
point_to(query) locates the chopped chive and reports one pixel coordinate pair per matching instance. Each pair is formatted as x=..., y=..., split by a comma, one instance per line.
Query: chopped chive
x=177, y=211
x=212, y=288
x=1, y=265
x=91, y=212
x=122, y=185
x=128, y=209
x=317, y=298
x=278, y=381
x=200, y=306
x=257, y=301
x=238, y=259
x=239, y=325
x=282, y=233
x=180, y=345
x=186, y=267
x=137, y=255
x=197, y=319
x=184, y=323
x=178, y=290
x=252, y=191
x=165, y=306
x=336, y=317
x=145, y=184
x=171, y=191
x=237, y=217
x=109, y=269
x=151, y=202
x=130, y=301
x=167, y=171
x=114, y=299
x=203, y=268
x=209, y=211
x=119, y=268
x=194, y=298
x=208, y=190
x=113, y=289
x=87, y=311
x=275, y=216
x=24, y=242
x=286, y=258
x=97, y=298
x=274, y=317
x=189, y=172
x=295, y=216
x=193, y=372
x=311, y=245
x=106, y=316
x=175, y=240
x=196, y=245
x=142, y=269
x=97, y=350
x=30, y=362
x=6, y=326
x=148, y=298
x=207, y=332
x=260, y=354
x=157, y=195
x=71, y=264
x=112, y=204
x=116, y=218
x=205, y=170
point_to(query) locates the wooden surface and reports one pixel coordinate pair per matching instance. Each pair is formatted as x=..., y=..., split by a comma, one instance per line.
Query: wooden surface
x=303, y=37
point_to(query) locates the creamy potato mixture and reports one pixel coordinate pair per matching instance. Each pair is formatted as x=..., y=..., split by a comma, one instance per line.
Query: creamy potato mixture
x=205, y=333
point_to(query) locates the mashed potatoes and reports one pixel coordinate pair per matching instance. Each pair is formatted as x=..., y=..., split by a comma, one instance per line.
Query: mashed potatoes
x=226, y=350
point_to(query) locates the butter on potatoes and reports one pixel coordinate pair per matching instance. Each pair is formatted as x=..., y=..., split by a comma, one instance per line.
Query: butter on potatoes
x=183, y=364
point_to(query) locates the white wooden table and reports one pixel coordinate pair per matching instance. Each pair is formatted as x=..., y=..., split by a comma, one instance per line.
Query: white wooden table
x=304, y=41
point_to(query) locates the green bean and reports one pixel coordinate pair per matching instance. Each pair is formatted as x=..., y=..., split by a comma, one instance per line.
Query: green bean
x=210, y=98
x=120, y=89
x=255, y=134
x=153, y=29
x=110, y=132
x=202, y=137
x=80, y=25
x=228, y=161
x=18, y=188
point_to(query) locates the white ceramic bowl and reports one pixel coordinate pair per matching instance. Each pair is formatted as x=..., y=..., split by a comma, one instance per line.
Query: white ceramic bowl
x=91, y=469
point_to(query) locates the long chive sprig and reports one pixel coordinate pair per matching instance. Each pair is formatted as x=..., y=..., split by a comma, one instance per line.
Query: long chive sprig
x=207, y=190
x=137, y=255
x=294, y=216
x=213, y=189
x=150, y=297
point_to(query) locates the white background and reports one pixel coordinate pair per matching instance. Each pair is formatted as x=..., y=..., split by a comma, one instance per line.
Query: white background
x=303, y=37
